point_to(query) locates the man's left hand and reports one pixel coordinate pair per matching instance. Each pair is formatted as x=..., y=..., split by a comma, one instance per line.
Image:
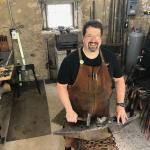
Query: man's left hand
x=121, y=114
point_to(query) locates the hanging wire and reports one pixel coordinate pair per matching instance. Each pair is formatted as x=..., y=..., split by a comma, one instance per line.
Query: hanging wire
x=10, y=14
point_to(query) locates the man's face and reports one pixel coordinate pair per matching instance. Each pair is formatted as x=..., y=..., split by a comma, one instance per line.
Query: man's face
x=92, y=39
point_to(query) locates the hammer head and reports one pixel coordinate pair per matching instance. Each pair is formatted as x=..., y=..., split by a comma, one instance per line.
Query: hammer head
x=88, y=120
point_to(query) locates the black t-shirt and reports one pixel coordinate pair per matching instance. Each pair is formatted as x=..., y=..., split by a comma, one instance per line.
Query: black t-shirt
x=70, y=66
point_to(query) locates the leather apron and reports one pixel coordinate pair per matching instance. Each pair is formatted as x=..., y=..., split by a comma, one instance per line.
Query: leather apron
x=91, y=90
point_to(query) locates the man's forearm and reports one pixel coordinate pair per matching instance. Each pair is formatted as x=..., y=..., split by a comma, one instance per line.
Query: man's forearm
x=63, y=96
x=120, y=89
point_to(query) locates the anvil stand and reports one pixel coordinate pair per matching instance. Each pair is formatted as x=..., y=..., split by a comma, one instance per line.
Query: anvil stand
x=24, y=67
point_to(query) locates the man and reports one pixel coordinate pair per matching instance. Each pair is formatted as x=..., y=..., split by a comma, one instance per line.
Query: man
x=84, y=83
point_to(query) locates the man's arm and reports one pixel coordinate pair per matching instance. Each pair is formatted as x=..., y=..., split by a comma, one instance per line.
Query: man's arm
x=62, y=91
x=120, y=94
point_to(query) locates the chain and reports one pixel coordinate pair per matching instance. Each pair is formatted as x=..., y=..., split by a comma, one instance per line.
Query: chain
x=106, y=144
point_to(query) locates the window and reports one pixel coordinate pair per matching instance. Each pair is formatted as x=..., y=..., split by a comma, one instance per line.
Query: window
x=59, y=15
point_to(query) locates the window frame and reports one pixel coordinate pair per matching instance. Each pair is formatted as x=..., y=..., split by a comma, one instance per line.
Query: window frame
x=49, y=22
x=44, y=8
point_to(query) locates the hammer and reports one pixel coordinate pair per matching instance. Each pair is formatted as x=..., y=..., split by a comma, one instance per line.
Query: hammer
x=88, y=119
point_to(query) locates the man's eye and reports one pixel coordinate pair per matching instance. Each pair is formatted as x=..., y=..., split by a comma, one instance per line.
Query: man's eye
x=89, y=36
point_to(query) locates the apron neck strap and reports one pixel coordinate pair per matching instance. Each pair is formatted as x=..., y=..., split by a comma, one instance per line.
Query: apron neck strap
x=80, y=55
x=101, y=55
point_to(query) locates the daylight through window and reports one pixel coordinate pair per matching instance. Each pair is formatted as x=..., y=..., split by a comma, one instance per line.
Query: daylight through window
x=59, y=15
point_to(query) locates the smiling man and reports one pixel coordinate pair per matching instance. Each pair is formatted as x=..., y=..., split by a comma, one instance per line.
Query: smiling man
x=84, y=82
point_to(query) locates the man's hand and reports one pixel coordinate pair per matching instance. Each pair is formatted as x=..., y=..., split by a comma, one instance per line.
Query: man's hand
x=71, y=116
x=121, y=114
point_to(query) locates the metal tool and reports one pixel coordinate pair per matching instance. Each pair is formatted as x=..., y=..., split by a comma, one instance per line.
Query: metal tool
x=96, y=131
x=87, y=120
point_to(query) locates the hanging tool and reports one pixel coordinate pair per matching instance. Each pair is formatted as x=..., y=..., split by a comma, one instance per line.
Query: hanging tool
x=15, y=36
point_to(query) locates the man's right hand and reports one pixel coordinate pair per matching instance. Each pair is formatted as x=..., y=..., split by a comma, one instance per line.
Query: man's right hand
x=71, y=116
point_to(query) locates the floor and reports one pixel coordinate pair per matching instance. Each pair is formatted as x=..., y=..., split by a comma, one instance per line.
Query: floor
x=130, y=138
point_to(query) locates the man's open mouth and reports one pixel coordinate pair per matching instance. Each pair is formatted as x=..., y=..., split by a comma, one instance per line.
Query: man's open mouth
x=93, y=43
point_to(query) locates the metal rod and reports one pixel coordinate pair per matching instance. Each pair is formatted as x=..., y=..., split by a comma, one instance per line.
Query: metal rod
x=109, y=23
x=93, y=12
x=20, y=48
x=8, y=58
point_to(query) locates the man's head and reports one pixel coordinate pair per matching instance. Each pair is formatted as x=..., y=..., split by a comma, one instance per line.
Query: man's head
x=92, y=32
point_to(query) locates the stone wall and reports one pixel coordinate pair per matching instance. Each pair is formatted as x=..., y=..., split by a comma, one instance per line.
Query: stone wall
x=28, y=15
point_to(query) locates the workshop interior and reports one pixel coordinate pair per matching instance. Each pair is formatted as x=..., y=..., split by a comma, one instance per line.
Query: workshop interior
x=35, y=37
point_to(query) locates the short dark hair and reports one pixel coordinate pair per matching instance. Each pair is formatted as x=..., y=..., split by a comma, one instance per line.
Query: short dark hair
x=92, y=23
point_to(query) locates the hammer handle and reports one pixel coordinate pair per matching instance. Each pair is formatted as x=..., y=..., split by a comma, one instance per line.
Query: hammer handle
x=81, y=119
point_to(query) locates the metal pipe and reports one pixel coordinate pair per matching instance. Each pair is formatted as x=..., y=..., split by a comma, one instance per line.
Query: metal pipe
x=114, y=18
x=93, y=12
x=109, y=23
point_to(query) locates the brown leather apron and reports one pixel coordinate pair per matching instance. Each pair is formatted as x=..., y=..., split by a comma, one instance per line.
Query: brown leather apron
x=91, y=90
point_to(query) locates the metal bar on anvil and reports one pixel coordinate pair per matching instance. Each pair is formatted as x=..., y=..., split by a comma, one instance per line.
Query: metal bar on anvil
x=94, y=132
x=115, y=127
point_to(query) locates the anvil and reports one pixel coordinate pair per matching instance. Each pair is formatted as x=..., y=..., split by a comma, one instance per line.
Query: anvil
x=96, y=131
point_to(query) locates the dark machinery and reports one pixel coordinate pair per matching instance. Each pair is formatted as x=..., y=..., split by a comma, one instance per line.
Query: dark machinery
x=66, y=41
x=138, y=91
